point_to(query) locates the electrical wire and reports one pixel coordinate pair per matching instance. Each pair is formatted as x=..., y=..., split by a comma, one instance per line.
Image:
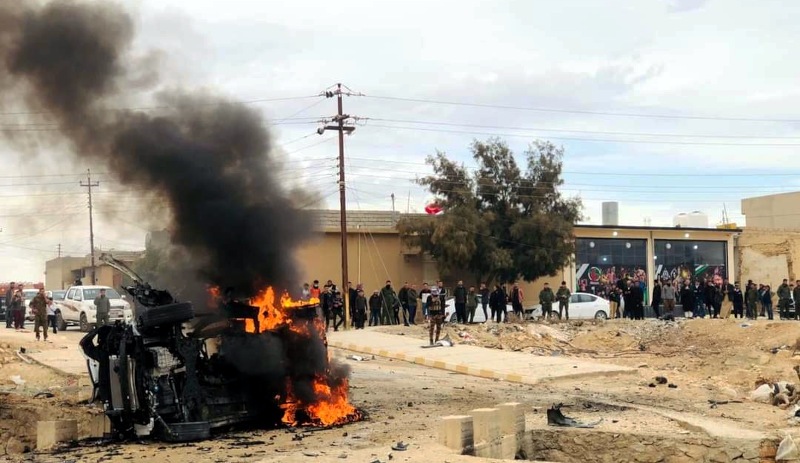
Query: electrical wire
x=580, y=111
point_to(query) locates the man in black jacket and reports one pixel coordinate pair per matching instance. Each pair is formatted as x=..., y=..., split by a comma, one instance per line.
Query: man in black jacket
x=656, y=297
x=687, y=300
x=460, y=296
x=497, y=302
x=402, y=295
x=485, y=293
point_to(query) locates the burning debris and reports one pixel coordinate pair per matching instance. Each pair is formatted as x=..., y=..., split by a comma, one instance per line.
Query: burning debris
x=253, y=356
x=158, y=377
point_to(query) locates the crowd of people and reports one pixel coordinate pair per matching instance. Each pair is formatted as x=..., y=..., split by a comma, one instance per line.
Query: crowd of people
x=42, y=309
x=700, y=298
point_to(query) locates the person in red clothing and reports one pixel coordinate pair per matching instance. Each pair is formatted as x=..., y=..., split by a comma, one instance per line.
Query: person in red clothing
x=314, y=292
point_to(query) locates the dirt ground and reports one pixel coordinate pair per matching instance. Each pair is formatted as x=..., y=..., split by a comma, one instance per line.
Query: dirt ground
x=705, y=359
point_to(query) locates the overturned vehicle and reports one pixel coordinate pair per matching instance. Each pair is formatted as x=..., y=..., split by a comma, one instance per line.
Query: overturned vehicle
x=177, y=376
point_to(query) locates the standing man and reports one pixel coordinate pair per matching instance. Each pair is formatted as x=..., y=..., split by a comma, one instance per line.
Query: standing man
x=425, y=298
x=638, y=300
x=657, y=292
x=563, y=294
x=460, y=296
x=668, y=296
x=546, y=298
x=326, y=303
x=9, y=297
x=687, y=299
x=442, y=294
x=388, y=304
x=751, y=299
x=352, y=294
x=360, y=310
x=613, y=301
x=796, y=295
x=412, y=296
x=784, y=299
x=738, y=302
x=375, y=308
x=485, y=293
x=17, y=309
x=305, y=293
x=315, y=292
x=472, y=303
x=51, y=317
x=437, y=314
x=337, y=308
x=39, y=309
x=103, y=306
x=402, y=295
x=517, y=297
x=497, y=302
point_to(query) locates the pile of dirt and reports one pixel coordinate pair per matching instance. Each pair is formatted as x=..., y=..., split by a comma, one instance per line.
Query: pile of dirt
x=30, y=393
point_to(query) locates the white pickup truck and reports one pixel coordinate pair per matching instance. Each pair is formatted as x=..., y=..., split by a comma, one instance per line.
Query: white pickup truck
x=77, y=307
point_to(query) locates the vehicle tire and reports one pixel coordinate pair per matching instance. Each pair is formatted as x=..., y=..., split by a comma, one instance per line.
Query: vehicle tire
x=85, y=326
x=601, y=315
x=165, y=315
x=60, y=323
x=187, y=432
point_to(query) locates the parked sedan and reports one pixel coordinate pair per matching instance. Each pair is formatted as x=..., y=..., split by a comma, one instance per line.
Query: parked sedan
x=581, y=305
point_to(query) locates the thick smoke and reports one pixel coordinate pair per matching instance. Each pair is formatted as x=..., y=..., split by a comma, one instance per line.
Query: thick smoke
x=206, y=158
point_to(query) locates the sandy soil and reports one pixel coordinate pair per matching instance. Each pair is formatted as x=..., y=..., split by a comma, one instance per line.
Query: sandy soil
x=706, y=359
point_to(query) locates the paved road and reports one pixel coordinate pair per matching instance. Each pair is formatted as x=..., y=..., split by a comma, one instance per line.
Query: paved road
x=472, y=360
x=62, y=353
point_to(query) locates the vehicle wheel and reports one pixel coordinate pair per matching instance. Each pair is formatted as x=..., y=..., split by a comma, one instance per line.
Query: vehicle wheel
x=164, y=315
x=187, y=432
x=85, y=326
x=60, y=323
x=601, y=315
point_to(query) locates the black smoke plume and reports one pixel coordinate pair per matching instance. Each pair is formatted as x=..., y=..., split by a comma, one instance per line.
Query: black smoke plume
x=207, y=159
x=203, y=158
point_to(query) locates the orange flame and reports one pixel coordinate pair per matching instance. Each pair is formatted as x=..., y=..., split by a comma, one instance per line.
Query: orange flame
x=331, y=406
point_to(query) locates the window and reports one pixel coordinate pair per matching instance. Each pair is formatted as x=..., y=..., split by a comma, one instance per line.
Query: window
x=683, y=260
x=78, y=295
x=603, y=262
x=71, y=293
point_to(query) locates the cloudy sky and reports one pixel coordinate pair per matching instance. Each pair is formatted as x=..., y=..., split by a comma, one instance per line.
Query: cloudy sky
x=666, y=106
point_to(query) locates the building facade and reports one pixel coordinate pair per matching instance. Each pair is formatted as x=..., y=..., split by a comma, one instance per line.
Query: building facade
x=63, y=272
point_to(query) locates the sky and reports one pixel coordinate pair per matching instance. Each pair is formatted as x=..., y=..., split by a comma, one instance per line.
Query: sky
x=665, y=106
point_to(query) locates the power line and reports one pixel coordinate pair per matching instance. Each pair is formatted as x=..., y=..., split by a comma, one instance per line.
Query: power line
x=595, y=132
x=598, y=140
x=611, y=173
x=579, y=111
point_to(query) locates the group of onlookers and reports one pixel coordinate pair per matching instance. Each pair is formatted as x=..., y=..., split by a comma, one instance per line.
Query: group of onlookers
x=42, y=309
x=703, y=298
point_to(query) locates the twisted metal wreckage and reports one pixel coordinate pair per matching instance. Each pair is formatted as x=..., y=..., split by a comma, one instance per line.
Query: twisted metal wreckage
x=177, y=376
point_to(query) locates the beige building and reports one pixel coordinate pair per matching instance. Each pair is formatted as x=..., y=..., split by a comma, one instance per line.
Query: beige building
x=62, y=272
x=773, y=212
x=603, y=254
x=769, y=247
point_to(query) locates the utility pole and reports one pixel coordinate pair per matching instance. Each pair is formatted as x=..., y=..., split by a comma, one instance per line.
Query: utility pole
x=89, y=186
x=340, y=127
x=60, y=267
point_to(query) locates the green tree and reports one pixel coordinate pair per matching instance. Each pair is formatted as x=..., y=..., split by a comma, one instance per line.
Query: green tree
x=500, y=222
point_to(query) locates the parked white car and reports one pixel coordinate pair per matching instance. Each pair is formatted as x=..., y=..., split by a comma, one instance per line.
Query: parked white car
x=581, y=305
x=450, y=308
x=78, y=307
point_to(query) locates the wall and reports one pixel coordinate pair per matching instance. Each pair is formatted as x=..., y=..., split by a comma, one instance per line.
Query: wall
x=769, y=256
x=781, y=211
x=58, y=272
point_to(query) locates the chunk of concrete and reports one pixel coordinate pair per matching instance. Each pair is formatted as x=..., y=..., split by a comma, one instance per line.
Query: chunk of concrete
x=485, y=424
x=50, y=433
x=512, y=418
x=456, y=432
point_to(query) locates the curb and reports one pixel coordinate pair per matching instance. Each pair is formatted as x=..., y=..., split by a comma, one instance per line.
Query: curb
x=455, y=367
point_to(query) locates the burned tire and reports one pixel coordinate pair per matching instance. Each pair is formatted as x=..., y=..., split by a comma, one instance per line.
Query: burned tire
x=187, y=432
x=166, y=315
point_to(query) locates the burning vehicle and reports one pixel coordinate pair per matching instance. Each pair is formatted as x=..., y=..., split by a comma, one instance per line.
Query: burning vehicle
x=177, y=375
